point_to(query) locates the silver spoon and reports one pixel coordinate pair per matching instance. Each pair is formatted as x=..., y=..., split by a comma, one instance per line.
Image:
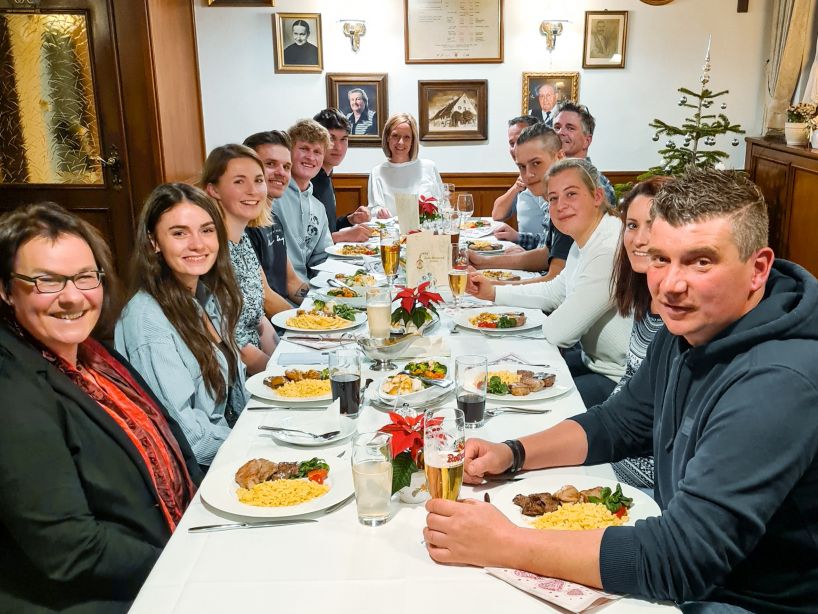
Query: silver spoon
x=279, y=429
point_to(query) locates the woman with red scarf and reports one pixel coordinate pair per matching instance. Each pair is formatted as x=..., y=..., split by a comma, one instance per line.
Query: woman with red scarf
x=94, y=477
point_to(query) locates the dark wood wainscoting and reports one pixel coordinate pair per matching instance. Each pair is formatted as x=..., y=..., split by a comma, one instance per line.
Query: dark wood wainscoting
x=351, y=188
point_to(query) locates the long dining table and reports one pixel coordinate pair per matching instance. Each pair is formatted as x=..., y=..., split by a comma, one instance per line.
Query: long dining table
x=337, y=564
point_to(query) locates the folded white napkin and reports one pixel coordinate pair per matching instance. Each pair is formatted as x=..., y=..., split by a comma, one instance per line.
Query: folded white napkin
x=336, y=265
x=573, y=597
x=320, y=344
x=426, y=346
x=301, y=358
x=331, y=418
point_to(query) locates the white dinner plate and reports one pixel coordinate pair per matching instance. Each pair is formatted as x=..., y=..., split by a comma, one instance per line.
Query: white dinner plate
x=255, y=385
x=280, y=320
x=643, y=506
x=321, y=280
x=337, y=250
x=486, y=252
x=521, y=274
x=414, y=399
x=359, y=302
x=560, y=387
x=317, y=423
x=481, y=231
x=534, y=318
x=219, y=487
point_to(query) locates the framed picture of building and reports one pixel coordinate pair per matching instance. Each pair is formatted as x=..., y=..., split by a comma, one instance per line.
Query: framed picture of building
x=453, y=110
x=298, y=45
x=606, y=35
x=543, y=91
x=362, y=98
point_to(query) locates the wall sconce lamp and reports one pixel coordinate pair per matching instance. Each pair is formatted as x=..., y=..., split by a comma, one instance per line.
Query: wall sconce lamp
x=551, y=30
x=354, y=29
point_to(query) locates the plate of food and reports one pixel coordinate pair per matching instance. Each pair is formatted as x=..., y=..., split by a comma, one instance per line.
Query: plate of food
x=358, y=280
x=475, y=222
x=352, y=296
x=321, y=317
x=403, y=388
x=296, y=384
x=352, y=250
x=511, y=382
x=507, y=274
x=485, y=247
x=283, y=483
x=500, y=319
x=318, y=423
x=572, y=502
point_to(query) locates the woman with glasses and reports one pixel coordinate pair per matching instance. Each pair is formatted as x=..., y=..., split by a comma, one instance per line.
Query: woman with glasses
x=582, y=318
x=402, y=172
x=94, y=476
x=178, y=327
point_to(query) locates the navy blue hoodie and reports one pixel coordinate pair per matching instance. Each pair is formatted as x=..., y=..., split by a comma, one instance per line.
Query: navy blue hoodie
x=733, y=426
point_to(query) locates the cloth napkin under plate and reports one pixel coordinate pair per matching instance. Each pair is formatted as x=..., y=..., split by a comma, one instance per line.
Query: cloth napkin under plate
x=569, y=595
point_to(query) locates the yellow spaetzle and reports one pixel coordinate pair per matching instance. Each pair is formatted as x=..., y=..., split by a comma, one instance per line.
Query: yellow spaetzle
x=578, y=517
x=314, y=321
x=304, y=388
x=281, y=493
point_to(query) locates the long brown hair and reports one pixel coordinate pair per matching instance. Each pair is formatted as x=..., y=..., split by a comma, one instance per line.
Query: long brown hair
x=151, y=274
x=51, y=221
x=629, y=288
x=215, y=166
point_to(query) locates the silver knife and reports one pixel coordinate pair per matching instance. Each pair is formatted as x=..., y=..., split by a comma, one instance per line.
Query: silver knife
x=248, y=525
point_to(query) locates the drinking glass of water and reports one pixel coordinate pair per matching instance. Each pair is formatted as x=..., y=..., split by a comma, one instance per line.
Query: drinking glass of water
x=372, y=476
x=379, y=312
x=345, y=379
x=465, y=206
x=470, y=374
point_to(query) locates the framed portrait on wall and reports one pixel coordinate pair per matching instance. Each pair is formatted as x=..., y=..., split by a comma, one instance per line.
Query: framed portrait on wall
x=542, y=90
x=362, y=98
x=241, y=2
x=453, y=110
x=606, y=36
x=298, y=45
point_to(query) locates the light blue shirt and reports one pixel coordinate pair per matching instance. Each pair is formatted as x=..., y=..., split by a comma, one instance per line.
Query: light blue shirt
x=154, y=347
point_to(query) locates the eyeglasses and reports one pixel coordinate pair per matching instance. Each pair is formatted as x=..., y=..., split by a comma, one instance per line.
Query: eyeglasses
x=53, y=283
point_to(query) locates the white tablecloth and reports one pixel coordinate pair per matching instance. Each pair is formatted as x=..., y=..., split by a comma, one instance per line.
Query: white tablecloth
x=337, y=565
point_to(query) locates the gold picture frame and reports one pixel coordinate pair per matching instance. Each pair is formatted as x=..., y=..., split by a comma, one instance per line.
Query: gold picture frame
x=453, y=110
x=368, y=131
x=298, y=43
x=606, y=39
x=566, y=85
x=453, y=32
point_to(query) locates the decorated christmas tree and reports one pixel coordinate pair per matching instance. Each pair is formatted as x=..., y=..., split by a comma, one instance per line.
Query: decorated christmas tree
x=698, y=133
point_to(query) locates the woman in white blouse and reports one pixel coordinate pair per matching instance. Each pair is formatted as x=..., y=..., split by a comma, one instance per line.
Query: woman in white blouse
x=403, y=172
x=578, y=300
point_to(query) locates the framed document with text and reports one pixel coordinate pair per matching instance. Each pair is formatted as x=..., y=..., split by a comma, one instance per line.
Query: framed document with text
x=453, y=31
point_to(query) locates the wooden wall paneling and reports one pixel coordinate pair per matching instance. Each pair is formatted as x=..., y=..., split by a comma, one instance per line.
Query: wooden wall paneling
x=771, y=177
x=803, y=218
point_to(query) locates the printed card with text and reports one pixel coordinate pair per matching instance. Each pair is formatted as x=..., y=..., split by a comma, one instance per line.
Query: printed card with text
x=428, y=256
x=408, y=212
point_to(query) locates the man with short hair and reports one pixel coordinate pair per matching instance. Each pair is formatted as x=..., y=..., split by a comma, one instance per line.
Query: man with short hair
x=362, y=119
x=284, y=287
x=575, y=125
x=726, y=400
x=303, y=216
x=547, y=99
x=516, y=199
x=301, y=52
x=347, y=228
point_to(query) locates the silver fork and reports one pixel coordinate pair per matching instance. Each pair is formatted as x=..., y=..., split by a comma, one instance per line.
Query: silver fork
x=507, y=409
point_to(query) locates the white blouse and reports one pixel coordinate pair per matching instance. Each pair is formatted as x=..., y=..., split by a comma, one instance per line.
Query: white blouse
x=419, y=176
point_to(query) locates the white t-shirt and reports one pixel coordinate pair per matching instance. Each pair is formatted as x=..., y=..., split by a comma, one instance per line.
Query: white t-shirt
x=418, y=176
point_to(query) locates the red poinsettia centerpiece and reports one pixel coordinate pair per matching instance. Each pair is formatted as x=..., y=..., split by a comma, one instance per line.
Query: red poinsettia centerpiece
x=416, y=305
x=428, y=208
x=407, y=446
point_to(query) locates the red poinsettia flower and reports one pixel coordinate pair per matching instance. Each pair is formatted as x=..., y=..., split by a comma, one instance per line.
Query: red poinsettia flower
x=407, y=434
x=425, y=298
x=428, y=208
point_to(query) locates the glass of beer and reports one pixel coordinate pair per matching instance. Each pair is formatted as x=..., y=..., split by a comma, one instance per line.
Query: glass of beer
x=345, y=379
x=470, y=374
x=379, y=312
x=444, y=451
x=372, y=476
x=458, y=275
x=390, y=252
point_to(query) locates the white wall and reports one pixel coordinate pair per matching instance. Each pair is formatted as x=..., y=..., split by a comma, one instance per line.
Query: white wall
x=665, y=50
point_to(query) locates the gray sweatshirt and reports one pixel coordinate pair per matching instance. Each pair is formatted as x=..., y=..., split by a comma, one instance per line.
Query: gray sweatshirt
x=306, y=229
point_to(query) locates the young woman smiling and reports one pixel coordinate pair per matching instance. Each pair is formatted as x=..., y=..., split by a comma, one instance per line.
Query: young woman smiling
x=579, y=298
x=402, y=172
x=178, y=327
x=233, y=175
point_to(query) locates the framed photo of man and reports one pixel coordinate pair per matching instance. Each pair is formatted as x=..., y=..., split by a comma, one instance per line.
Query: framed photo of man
x=543, y=91
x=453, y=110
x=606, y=35
x=298, y=45
x=362, y=98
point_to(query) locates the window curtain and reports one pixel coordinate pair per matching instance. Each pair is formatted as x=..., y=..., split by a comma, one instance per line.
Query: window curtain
x=787, y=58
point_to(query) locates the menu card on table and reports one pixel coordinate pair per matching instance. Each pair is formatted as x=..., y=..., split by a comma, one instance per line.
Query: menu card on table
x=428, y=257
x=573, y=597
x=408, y=212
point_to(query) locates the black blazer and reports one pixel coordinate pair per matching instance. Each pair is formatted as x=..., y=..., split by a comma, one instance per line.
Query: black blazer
x=80, y=528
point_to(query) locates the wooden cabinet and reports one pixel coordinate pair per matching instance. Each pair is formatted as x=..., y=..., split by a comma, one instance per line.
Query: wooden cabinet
x=788, y=178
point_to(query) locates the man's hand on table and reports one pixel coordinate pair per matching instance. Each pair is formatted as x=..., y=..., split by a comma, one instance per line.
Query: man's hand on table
x=353, y=234
x=485, y=458
x=383, y=213
x=504, y=232
x=480, y=287
x=359, y=216
x=451, y=527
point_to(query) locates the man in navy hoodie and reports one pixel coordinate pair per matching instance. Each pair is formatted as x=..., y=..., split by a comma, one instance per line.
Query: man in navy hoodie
x=727, y=402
